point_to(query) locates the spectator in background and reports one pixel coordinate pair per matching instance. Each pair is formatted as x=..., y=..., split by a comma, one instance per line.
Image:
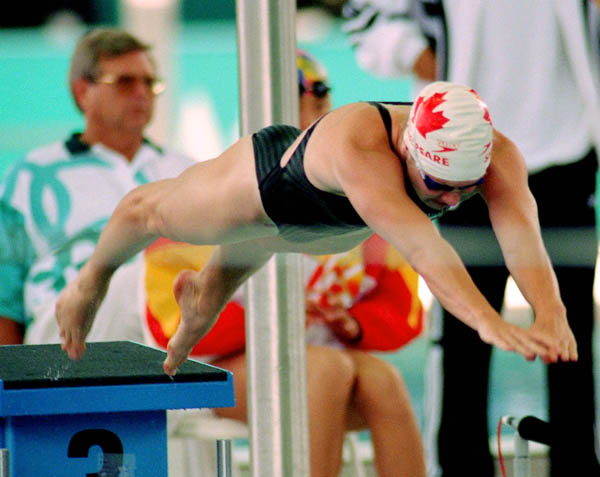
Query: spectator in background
x=542, y=92
x=55, y=201
x=363, y=300
x=315, y=98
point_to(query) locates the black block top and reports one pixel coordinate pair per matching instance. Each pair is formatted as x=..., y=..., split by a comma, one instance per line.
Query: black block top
x=104, y=363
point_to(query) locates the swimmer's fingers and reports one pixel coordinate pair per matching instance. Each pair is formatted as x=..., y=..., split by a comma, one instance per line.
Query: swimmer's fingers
x=558, y=338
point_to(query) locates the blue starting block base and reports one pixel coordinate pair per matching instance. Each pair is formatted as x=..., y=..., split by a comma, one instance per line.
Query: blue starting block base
x=102, y=416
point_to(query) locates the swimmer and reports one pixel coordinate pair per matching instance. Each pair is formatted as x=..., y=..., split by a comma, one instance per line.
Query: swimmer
x=388, y=168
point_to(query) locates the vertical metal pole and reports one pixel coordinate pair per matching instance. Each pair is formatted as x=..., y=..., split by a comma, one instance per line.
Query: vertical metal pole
x=521, y=464
x=276, y=351
x=224, y=458
x=4, y=463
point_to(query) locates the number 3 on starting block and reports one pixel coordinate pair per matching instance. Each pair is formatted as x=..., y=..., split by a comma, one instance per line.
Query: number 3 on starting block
x=123, y=444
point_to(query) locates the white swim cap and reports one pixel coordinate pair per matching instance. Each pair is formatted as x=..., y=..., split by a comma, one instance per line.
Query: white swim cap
x=449, y=132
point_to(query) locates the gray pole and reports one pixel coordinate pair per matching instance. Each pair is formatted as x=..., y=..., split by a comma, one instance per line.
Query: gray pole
x=224, y=458
x=276, y=350
x=4, y=463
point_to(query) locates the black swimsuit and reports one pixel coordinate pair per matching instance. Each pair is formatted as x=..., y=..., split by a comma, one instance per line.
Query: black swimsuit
x=301, y=211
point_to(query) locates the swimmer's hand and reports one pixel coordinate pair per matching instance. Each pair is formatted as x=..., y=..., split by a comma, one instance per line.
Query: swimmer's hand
x=76, y=309
x=509, y=337
x=553, y=329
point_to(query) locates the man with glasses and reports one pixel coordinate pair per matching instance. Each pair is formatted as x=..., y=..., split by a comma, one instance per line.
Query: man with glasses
x=357, y=170
x=55, y=202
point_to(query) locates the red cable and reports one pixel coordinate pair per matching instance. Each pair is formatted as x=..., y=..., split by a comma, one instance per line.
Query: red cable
x=500, y=459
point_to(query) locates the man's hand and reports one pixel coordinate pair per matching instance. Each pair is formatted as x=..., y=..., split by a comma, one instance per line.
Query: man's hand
x=11, y=332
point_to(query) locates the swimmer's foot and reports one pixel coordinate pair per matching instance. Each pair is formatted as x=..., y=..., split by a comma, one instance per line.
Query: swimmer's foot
x=192, y=325
x=76, y=308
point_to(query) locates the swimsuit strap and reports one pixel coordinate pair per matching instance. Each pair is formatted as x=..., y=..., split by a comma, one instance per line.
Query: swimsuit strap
x=387, y=117
x=387, y=120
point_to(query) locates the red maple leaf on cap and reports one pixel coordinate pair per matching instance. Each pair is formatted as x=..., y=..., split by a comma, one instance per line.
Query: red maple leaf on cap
x=486, y=113
x=425, y=119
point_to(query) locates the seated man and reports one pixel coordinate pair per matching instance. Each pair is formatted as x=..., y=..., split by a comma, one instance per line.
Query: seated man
x=55, y=201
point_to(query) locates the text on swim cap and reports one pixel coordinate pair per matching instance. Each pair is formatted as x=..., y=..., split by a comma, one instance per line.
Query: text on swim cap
x=432, y=157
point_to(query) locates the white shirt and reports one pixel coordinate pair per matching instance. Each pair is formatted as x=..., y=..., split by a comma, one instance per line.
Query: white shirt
x=524, y=75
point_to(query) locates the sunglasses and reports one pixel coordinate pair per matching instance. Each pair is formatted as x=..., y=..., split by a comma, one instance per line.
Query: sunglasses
x=319, y=89
x=127, y=83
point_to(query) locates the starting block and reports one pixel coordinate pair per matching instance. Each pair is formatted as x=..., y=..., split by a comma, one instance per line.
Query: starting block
x=104, y=415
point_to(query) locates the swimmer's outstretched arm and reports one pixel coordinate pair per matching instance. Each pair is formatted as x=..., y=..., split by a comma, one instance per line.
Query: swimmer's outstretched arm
x=513, y=213
x=374, y=183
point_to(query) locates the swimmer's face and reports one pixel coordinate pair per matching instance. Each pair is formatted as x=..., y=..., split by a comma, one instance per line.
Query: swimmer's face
x=438, y=193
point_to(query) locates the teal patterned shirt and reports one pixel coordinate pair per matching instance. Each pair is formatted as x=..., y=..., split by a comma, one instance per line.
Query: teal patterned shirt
x=53, y=206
